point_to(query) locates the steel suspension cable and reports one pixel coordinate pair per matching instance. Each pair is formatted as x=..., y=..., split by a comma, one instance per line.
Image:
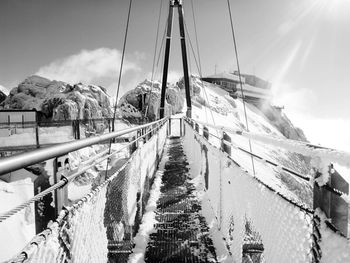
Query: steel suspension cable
x=198, y=64
x=196, y=35
x=200, y=75
x=240, y=79
x=120, y=76
x=121, y=63
x=154, y=57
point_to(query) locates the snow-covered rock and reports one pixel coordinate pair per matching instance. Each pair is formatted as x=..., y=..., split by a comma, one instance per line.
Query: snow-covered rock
x=144, y=100
x=57, y=100
x=282, y=122
x=2, y=96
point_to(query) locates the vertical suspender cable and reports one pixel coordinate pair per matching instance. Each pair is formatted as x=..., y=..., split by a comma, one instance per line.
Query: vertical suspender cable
x=154, y=57
x=119, y=78
x=240, y=80
x=121, y=64
x=196, y=35
x=199, y=65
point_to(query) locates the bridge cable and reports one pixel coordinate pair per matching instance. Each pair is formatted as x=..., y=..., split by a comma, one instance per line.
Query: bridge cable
x=240, y=80
x=122, y=62
x=119, y=79
x=200, y=76
x=198, y=69
x=196, y=35
x=154, y=57
x=161, y=52
x=199, y=66
x=199, y=57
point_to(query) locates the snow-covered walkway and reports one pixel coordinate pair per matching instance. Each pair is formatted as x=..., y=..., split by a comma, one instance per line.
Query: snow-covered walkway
x=181, y=232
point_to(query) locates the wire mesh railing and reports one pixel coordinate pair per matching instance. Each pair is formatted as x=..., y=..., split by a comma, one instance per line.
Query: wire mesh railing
x=105, y=217
x=257, y=219
x=280, y=227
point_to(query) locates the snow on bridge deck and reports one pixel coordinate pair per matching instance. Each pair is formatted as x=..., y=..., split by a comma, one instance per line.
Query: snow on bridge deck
x=181, y=234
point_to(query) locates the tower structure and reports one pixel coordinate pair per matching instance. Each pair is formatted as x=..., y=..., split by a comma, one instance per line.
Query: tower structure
x=175, y=4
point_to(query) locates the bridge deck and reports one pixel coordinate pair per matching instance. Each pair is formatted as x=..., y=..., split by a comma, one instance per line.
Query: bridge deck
x=181, y=232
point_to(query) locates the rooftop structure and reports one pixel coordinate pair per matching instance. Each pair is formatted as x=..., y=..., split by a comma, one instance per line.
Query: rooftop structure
x=255, y=89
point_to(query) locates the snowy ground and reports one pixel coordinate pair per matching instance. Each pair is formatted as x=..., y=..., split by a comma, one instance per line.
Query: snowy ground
x=18, y=230
x=222, y=110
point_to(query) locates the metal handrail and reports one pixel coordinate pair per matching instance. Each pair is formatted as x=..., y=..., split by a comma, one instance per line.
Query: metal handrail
x=286, y=169
x=13, y=163
x=304, y=148
x=68, y=179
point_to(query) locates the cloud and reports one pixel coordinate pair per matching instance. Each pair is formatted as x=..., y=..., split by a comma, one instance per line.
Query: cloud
x=333, y=133
x=99, y=66
x=174, y=76
x=298, y=99
x=4, y=90
x=285, y=27
x=325, y=131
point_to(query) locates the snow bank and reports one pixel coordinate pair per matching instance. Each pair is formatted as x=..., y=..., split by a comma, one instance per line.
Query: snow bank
x=148, y=222
x=18, y=230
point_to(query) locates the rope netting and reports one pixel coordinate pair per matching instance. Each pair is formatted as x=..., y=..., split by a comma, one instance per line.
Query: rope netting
x=104, y=222
x=254, y=221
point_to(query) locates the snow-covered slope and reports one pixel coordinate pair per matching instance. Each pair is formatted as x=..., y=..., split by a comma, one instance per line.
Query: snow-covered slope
x=4, y=90
x=214, y=106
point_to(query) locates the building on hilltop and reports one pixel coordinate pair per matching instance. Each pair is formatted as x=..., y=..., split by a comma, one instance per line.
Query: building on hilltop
x=226, y=81
x=255, y=81
x=255, y=90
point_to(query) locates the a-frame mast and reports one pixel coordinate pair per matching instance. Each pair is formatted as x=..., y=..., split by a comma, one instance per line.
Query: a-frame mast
x=175, y=4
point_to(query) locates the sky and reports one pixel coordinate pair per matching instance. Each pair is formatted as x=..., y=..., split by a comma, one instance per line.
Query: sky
x=300, y=46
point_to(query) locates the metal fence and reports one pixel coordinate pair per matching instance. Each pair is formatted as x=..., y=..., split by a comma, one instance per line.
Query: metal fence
x=102, y=224
x=260, y=221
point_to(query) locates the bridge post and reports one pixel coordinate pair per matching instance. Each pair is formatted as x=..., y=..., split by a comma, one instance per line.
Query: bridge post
x=60, y=195
x=181, y=126
x=169, y=127
x=166, y=61
x=184, y=59
x=196, y=127
x=334, y=206
x=173, y=4
x=205, y=132
x=36, y=130
x=224, y=147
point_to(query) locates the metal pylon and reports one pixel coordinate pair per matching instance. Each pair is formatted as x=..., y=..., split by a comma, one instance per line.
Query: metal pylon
x=175, y=4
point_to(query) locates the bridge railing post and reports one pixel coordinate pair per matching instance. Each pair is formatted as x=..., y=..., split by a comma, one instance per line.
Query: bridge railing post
x=196, y=127
x=169, y=127
x=333, y=205
x=60, y=194
x=181, y=127
x=224, y=146
x=205, y=132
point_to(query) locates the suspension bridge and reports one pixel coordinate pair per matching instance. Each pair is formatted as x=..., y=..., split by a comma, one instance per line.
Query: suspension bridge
x=183, y=195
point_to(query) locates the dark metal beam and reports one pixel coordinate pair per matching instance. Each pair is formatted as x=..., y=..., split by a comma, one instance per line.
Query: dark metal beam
x=173, y=4
x=184, y=61
x=166, y=60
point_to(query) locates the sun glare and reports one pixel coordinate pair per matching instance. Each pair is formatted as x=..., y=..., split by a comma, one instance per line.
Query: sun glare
x=332, y=8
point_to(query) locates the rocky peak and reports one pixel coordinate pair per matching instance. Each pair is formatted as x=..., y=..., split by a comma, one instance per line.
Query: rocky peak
x=57, y=100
